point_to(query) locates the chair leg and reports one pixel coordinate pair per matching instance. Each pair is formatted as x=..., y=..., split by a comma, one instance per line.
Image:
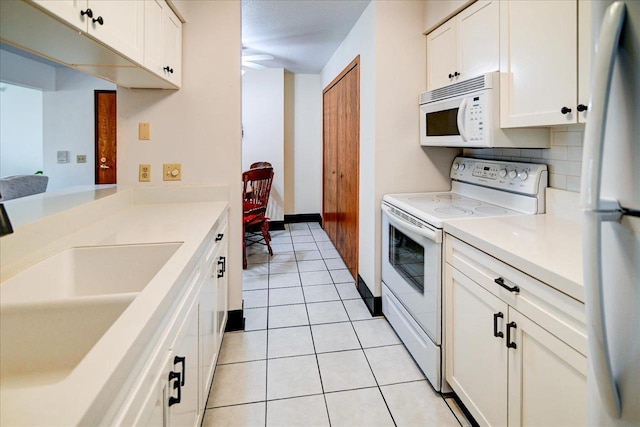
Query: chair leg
x=244, y=250
x=267, y=236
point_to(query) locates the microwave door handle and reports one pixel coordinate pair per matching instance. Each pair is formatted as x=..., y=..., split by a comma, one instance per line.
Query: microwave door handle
x=462, y=119
x=434, y=235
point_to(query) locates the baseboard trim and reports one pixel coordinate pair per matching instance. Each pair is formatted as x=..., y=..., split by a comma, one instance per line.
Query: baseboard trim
x=309, y=217
x=374, y=304
x=276, y=225
x=235, y=321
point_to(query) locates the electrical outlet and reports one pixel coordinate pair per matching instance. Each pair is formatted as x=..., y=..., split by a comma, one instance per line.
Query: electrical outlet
x=144, y=131
x=81, y=158
x=172, y=172
x=144, y=173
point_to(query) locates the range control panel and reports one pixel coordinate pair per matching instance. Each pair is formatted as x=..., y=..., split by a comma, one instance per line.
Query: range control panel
x=517, y=177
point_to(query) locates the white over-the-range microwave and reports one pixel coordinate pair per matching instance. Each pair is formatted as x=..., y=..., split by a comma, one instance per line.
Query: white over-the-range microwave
x=467, y=114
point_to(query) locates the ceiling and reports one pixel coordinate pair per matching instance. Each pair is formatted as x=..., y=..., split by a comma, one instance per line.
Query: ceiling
x=301, y=35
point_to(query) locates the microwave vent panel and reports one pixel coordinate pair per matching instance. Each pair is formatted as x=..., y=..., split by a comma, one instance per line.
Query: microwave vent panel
x=472, y=85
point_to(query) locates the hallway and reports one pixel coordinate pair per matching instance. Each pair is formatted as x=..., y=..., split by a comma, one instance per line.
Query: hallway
x=311, y=353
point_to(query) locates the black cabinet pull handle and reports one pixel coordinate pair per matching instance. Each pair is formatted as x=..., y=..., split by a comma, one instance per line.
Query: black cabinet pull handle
x=219, y=237
x=168, y=69
x=456, y=74
x=582, y=107
x=496, y=316
x=223, y=262
x=510, y=325
x=500, y=281
x=182, y=361
x=450, y=75
x=565, y=110
x=176, y=386
x=99, y=20
x=87, y=12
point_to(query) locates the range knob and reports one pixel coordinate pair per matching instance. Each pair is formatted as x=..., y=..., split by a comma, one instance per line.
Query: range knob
x=523, y=175
x=502, y=173
x=462, y=166
x=456, y=166
x=513, y=174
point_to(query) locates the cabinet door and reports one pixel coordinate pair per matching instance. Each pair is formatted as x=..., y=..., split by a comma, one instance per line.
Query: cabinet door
x=208, y=328
x=476, y=359
x=547, y=378
x=441, y=55
x=172, y=45
x=122, y=26
x=153, y=48
x=584, y=57
x=67, y=10
x=221, y=295
x=183, y=376
x=478, y=39
x=538, y=62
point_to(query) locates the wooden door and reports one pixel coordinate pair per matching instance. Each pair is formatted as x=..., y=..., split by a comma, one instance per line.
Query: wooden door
x=330, y=162
x=341, y=146
x=105, y=119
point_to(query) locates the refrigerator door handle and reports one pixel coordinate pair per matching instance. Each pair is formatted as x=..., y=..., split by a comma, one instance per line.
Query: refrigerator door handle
x=596, y=327
x=602, y=71
x=596, y=208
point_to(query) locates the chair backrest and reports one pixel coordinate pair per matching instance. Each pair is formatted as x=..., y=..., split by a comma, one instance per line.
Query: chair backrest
x=256, y=189
x=260, y=165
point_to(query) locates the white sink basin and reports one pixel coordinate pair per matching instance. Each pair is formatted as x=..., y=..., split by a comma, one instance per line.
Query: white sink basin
x=88, y=271
x=42, y=343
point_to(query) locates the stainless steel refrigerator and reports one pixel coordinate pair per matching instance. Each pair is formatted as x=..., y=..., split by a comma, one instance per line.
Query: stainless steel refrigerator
x=610, y=198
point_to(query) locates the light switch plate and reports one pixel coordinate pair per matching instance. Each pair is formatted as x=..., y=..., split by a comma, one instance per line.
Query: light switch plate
x=81, y=158
x=144, y=173
x=144, y=131
x=172, y=172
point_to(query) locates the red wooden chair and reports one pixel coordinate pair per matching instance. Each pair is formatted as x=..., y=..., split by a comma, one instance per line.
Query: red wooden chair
x=255, y=195
x=260, y=165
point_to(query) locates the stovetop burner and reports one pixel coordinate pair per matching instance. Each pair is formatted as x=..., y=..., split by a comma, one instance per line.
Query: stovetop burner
x=491, y=210
x=452, y=210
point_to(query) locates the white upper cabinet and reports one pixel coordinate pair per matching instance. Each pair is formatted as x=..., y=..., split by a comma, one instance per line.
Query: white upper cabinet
x=584, y=58
x=544, y=66
x=74, y=12
x=163, y=41
x=118, y=24
x=465, y=46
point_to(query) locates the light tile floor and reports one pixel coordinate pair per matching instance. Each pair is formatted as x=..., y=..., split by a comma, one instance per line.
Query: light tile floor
x=311, y=353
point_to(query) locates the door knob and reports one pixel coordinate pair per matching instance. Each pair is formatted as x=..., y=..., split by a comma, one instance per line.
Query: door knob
x=87, y=12
x=99, y=20
x=565, y=110
x=582, y=107
x=104, y=167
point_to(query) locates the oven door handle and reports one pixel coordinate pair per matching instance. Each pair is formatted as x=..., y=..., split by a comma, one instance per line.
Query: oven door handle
x=434, y=235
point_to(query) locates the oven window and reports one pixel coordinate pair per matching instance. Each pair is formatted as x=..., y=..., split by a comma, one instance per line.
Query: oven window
x=407, y=257
x=442, y=123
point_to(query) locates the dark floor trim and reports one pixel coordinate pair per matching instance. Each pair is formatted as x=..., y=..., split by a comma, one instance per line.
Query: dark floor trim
x=276, y=225
x=374, y=304
x=310, y=217
x=235, y=321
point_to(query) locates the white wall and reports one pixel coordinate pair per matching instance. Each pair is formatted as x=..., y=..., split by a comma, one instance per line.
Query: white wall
x=20, y=130
x=69, y=125
x=25, y=72
x=199, y=125
x=263, y=124
x=307, y=159
x=388, y=37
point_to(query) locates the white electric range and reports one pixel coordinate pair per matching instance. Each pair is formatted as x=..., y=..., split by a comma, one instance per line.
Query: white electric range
x=412, y=245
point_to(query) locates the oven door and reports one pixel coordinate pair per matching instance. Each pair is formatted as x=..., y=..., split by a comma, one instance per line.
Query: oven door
x=412, y=267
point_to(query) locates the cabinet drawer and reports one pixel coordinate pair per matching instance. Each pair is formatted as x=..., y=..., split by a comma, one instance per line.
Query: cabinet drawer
x=556, y=312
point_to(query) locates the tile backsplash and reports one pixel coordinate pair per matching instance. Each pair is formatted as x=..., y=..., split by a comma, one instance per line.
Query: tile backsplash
x=563, y=158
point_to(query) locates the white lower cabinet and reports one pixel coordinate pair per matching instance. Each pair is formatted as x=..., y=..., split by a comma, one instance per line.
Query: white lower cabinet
x=173, y=383
x=506, y=368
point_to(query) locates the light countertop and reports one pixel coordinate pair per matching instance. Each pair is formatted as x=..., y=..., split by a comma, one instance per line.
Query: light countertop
x=546, y=247
x=123, y=219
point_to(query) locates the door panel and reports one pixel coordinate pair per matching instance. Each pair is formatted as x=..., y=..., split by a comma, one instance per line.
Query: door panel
x=105, y=160
x=341, y=141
